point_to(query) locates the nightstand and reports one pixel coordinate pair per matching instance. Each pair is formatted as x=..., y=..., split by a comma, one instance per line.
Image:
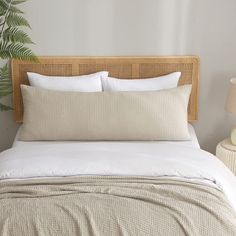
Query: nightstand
x=226, y=152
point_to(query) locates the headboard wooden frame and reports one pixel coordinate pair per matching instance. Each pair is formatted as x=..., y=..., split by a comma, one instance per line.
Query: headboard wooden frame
x=119, y=67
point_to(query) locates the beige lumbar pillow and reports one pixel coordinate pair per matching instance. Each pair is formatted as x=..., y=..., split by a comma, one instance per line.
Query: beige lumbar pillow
x=154, y=115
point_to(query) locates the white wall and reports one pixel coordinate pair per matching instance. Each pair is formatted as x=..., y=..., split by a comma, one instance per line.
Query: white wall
x=144, y=27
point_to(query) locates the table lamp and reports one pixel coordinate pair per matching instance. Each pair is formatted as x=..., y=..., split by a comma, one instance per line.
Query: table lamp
x=230, y=105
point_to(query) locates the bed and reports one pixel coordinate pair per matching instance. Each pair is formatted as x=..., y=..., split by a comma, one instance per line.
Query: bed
x=129, y=187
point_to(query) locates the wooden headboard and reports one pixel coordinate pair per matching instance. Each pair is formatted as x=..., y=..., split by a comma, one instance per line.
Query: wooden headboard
x=119, y=67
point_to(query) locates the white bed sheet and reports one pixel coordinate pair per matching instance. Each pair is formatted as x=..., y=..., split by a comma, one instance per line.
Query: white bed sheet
x=192, y=143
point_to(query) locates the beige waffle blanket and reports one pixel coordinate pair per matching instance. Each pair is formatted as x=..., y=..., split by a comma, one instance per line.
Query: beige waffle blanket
x=113, y=206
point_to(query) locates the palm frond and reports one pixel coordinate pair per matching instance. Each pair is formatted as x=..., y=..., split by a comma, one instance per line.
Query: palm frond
x=7, y=5
x=5, y=73
x=14, y=20
x=16, y=50
x=2, y=12
x=16, y=36
x=16, y=2
x=13, y=9
x=7, y=1
x=5, y=88
x=5, y=81
x=3, y=7
x=4, y=92
x=5, y=108
x=12, y=43
x=4, y=4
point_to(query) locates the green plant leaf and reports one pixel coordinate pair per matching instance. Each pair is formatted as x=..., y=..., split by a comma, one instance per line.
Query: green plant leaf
x=5, y=73
x=3, y=94
x=16, y=2
x=5, y=89
x=12, y=43
x=5, y=81
x=5, y=108
x=18, y=51
x=1, y=13
x=16, y=36
x=14, y=20
x=3, y=6
x=13, y=9
x=5, y=84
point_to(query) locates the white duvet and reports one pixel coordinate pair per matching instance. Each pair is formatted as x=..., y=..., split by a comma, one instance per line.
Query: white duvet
x=114, y=158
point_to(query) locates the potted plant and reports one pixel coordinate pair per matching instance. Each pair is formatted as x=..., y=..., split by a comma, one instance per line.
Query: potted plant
x=13, y=43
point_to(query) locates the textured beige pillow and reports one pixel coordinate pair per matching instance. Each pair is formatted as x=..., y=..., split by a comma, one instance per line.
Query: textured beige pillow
x=154, y=115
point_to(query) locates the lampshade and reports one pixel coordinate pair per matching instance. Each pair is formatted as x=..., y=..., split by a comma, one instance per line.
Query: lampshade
x=230, y=105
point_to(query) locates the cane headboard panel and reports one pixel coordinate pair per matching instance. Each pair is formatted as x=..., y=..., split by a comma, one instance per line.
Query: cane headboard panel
x=119, y=67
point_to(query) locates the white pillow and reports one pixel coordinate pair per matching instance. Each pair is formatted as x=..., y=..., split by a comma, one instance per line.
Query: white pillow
x=83, y=83
x=163, y=82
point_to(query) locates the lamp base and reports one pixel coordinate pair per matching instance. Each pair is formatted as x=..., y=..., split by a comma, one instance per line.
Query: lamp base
x=233, y=136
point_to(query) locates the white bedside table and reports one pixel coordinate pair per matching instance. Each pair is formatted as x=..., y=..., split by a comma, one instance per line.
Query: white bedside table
x=226, y=152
